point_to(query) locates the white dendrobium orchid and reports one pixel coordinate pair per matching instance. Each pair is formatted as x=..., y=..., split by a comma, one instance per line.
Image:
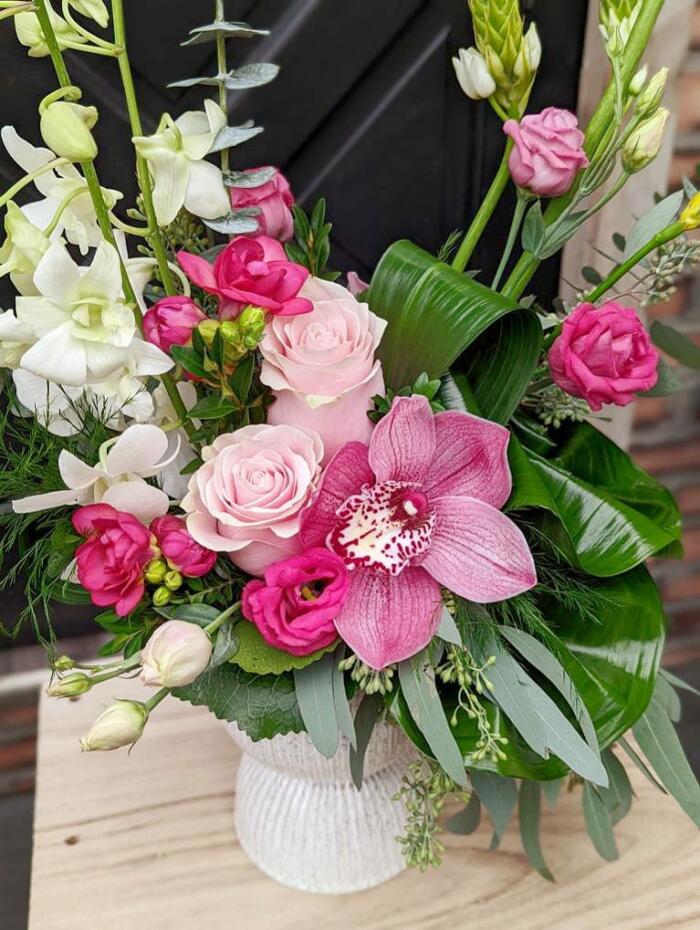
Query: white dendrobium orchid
x=117, y=479
x=473, y=74
x=172, y=480
x=31, y=35
x=176, y=158
x=64, y=189
x=93, y=9
x=83, y=331
x=22, y=249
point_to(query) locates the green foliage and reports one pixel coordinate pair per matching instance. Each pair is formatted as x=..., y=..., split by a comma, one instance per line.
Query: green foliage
x=676, y=344
x=366, y=718
x=320, y=691
x=422, y=386
x=254, y=655
x=311, y=246
x=529, y=807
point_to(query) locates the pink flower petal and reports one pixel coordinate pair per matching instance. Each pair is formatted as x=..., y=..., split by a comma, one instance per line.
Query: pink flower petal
x=471, y=459
x=198, y=270
x=403, y=444
x=344, y=476
x=478, y=552
x=84, y=518
x=389, y=618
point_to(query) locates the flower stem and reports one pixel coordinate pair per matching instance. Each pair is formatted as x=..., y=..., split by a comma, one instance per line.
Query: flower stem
x=222, y=618
x=595, y=133
x=60, y=210
x=159, y=696
x=13, y=11
x=518, y=217
x=222, y=69
x=661, y=238
x=28, y=178
x=484, y=214
x=85, y=33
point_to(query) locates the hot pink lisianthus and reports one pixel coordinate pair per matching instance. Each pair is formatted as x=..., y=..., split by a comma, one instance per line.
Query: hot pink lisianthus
x=182, y=551
x=548, y=151
x=418, y=509
x=295, y=607
x=113, y=559
x=246, y=498
x=250, y=272
x=321, y=366
x=604, y=355
x=170, y=322
x=274, y=199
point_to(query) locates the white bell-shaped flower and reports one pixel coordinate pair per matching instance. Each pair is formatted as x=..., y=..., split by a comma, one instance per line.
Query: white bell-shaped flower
x=473, y=74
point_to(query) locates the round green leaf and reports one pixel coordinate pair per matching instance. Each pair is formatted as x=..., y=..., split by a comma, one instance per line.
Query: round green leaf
x=258, y=658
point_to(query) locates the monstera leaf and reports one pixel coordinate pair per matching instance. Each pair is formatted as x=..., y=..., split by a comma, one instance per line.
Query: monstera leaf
x=435, y=313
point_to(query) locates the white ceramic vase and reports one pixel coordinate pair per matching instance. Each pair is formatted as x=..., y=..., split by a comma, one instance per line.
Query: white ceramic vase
x=301, y=820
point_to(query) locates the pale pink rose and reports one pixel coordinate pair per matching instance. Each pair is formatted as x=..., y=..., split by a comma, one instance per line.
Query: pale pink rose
x=247, y=497
x=604, y=355
x=170, y=322
x=274, y=199
x=321, y=365
x=548, y=151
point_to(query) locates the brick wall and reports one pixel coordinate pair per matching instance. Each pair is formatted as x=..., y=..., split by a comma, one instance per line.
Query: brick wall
x=666, y=438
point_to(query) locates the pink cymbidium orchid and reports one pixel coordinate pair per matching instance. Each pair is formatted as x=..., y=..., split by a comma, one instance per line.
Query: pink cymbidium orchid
x=418, y=509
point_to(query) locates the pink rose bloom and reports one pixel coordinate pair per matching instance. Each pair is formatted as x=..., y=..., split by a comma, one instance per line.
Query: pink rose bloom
x=604, y=355
x=181, y=551
x=321, y=366
x=274, y=198
x=295, y=607
x=246, y=498
x=250, y=272
x=113, y=559
x=417, y=510
x=170, y=322
x=548, y=151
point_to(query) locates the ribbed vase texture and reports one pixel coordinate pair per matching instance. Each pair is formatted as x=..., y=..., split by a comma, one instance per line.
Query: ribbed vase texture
x=301, y=820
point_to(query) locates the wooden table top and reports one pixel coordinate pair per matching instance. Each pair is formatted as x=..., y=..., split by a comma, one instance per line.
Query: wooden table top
x=147, y=840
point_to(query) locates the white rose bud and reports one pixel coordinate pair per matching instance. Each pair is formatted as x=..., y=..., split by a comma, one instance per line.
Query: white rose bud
x=176, y=654
x=65, y=128
x=473, y=74
x=652, y=95
x=69, y=686
x=120, y=725
x=645, y=143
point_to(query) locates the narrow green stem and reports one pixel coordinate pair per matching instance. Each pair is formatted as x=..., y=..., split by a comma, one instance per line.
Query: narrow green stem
x=61, y=209
x=114, y=671
x=28, y=178
x=661, y=238
x=159, y=696
x=518, y=217
x=13, y=11
x=85, y=33
x=142, y=231
x=91, y=49
x=484, y=214
x=597, y=130
x=222, y=618
x=222, y=66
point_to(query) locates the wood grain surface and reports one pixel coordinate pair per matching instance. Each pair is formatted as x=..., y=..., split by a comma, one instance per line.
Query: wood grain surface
x=146, y=840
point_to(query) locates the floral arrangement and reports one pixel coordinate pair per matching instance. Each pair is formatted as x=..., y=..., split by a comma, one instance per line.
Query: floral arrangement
x=311, y=506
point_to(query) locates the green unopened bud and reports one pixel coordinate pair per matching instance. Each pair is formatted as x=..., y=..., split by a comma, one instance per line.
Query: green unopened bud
x=243, y=334
x=172, y=581
x=69, y=686
x=120, y=725
x=207, y=330
x=638, y=82
x=65, y=128
x=156, y=571
x=690, y=217
x=161, y=597
x=63, y=664
x=645, y=143
x=650, y=98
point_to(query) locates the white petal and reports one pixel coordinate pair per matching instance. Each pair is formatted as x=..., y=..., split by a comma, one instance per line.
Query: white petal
x=140, y=272
x=27, y=156
x=137, y=451
x=215, y=116
x=206, y=195
x=76, y=474
x=138, y=498
x=149, y=359
x=14, y=330
x=104, y=360
x=103, y=277
x=170, y=171
x=139, y=406
x=40, y=316
x=57, y=276
x=49, y=501
x=58, y=357
x=41, y=212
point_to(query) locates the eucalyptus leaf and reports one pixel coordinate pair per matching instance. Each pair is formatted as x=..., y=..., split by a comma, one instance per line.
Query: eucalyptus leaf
x=599, y=824
x=617, y=797
x=249, y=179
x=314, y=690
x=668, y=699
x=366, y=717
x=678, y=682
x=201, y=614
x=236, y=223
x=552, y=789
x=529, y=807
x=448, y=629
x=658, y=218
x=231, y=136
x=417, y=679
x=466, y=821
x=252, y=75
x=499, y=796
x=230, y=30
x=534, y=229
x=668, y=382
x=675, y=344
x=343, y=716
x=225, y=646
x=634, y=756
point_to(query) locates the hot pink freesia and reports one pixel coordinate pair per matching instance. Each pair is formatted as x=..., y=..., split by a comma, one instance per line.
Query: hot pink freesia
x=548, y=151
x=604, y=355
x=182, y=552
x=321, y=366
x=250, y=272
x=170, y=322
x=274, y=199
x=112, y=560
x=295, y=607
x=416, y=510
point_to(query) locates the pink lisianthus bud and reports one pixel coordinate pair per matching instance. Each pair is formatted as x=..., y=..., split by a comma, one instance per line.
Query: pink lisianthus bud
x=295, y=607
x=604, y=355
x=176, y=654
x=548, y=151
x=120, y=725
x=112, y=561
x=250, y=272
x=274, y=199
x=182, y=552
x=170, y=322
x=356, y=285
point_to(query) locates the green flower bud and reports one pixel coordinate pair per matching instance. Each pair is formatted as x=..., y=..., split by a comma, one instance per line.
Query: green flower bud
x=156, y=571
x=207, y=330
x=161, y=597
x=638, y=82
x=172, y=580
x=70, y=686
x=650, y=99
x=63, y=664
x=65, y=128
x=645, y=143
